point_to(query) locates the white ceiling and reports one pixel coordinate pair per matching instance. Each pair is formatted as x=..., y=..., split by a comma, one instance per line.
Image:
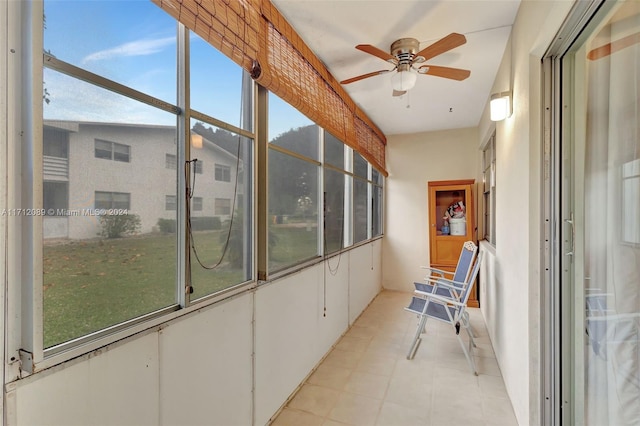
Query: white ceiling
x=332, y=29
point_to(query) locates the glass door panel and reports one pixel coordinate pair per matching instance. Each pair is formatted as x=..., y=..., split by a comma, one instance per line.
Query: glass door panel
x=604, y=217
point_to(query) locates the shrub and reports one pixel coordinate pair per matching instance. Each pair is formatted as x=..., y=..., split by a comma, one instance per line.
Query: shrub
x=116, y=226
x=205, y=223
x=167, y=226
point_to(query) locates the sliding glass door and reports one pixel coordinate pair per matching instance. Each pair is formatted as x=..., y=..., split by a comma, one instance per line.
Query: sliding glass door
x=599, y=220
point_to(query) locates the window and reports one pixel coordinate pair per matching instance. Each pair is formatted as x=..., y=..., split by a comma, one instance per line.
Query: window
x=218, y=211
x=333, y=151
x=55, y=198
x=359, y=165
x=489, y=189
x=170, y=202
x=223, y=173
x=333, y=210
x=376, y=203
x=198, y=166
x=222, y=207
x=196, y=204
x=630, y=225
x=170, y=161
x=293, y=186
x=360, y=212
x=55, y=143
x=112, y=200
x=111, y=151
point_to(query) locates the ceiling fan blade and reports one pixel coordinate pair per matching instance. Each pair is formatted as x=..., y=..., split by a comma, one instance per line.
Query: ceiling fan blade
x=398, y=92
x=445, y=44
x=614, y=46
x=363, y=76
x=372, y=50
x=446, y=72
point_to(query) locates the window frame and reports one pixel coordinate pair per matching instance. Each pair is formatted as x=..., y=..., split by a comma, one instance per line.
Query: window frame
x=222, y=173
x=25, y=334
x=170, y=161
x=489, y=189
x=112, y=151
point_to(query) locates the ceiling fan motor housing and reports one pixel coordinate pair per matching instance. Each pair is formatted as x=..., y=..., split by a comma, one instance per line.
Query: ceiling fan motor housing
x=405, y=50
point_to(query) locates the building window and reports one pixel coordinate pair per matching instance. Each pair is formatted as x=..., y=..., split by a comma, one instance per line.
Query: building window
x=169, y=202
x=55, y=198
x=222, y=207
x=196, y=204
x=55, y=143
x=112, y=200
x=223, y=173
x=170, y=161
x=489, y=189
x=197, y=167
x=112, y=150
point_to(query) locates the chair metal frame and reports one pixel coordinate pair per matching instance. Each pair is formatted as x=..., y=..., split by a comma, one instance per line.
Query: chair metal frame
x=461, y=274
x=450, y=309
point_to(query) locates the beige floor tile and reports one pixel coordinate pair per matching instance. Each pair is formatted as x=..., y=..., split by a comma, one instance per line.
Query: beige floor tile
x=367, y=380
x=409, y=392
x=492, y=386
x=362, y=332
x=291, y=417
x=392, y=414
x=330, y=376
x=456, y=408
x=499, y=412
x=367, y=384
x=329, y=422
x=488, y=366
x=314, y=399
x=355, y=409
x=342, y=358
x=376, y=364
x=353, y=344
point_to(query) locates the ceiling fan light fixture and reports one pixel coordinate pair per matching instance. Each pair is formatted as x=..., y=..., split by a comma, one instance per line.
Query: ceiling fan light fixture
x=403, y=80
x=500, y=106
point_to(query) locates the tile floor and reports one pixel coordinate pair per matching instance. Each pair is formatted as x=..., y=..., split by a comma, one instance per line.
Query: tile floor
x=367, y=380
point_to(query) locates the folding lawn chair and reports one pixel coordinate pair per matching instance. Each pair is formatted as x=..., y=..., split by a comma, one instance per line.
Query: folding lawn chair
x=450, y=309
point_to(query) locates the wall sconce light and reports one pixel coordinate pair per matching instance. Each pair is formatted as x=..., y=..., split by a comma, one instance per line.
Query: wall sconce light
x=196, y=140
x=500, y=106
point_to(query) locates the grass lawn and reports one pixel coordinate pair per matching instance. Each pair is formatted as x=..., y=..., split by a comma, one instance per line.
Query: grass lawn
x=91, y=285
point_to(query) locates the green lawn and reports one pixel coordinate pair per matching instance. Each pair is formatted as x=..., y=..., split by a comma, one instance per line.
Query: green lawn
x=90, y=285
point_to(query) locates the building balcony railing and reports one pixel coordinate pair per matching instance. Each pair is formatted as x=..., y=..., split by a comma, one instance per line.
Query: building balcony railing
x=55, y=168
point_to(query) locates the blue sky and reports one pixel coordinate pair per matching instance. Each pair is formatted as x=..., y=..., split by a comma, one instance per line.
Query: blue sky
x=134, y=43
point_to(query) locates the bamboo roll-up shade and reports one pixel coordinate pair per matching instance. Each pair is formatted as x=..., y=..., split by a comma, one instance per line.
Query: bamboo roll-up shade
x=253, y=32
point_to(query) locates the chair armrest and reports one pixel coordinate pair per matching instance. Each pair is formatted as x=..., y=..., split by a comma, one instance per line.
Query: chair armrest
x=456, y=285
x=441, y=299
x=437, y=271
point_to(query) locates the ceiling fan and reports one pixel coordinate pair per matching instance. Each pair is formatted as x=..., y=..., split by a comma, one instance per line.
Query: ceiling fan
x=405, y=56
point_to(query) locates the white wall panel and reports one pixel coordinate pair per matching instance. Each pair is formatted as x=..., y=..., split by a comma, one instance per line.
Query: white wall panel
x=205, y=366
x=288, y=313
x=365, y=271
x=116, y=386
x=334, y=288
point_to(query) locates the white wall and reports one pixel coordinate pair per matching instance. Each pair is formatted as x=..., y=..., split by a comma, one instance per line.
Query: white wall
x=412, y=161
x=511, y=277
x=199, y=368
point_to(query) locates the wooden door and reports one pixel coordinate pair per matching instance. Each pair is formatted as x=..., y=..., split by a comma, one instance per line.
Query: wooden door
x=444, y=248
